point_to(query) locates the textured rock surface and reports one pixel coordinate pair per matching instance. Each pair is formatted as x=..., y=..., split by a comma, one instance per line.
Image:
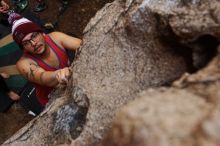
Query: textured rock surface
x=127, y=57
x=187, y=114
x=129, y=46
x=159, y=117
x=54, y=125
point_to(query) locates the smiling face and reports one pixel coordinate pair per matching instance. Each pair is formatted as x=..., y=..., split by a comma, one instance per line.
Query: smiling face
x=34, y=43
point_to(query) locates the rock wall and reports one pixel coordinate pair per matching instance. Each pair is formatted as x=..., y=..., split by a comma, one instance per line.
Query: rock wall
x=159, y=117
x=186, y=114
x=127, y=47
x=131, y=56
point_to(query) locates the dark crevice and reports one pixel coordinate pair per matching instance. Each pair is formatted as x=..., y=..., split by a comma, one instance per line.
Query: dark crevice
x=204, y=49
x=196, y=54
x=169, y=39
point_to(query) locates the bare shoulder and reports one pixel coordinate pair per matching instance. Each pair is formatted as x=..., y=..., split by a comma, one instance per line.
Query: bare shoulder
x=56, y=35
x=65, y=41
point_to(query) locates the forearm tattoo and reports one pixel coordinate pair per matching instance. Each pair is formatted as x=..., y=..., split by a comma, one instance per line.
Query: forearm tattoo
x=33, y=69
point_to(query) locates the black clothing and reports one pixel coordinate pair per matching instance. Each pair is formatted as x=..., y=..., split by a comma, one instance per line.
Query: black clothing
x=3, y=86
x=5, y=100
